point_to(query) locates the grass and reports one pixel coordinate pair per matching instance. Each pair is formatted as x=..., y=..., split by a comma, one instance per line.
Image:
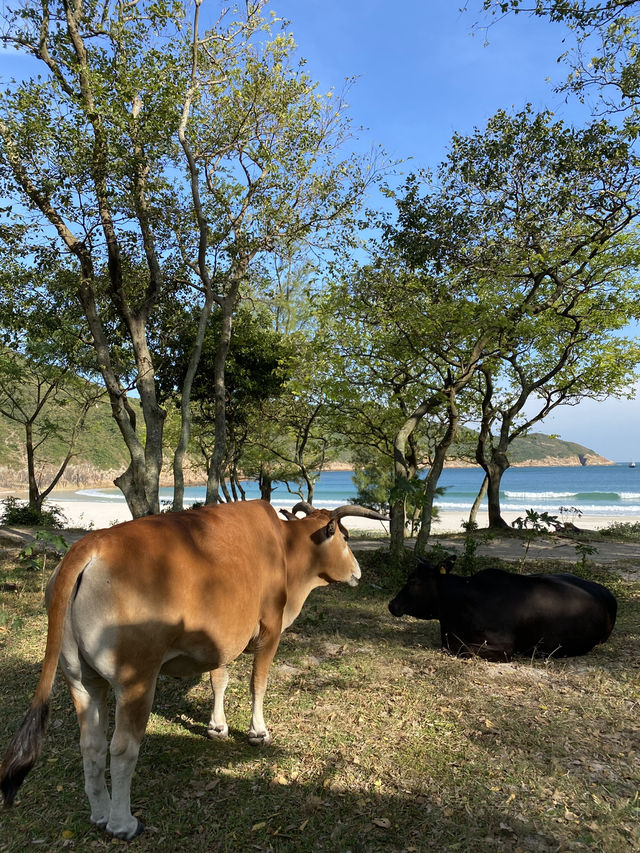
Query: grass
x=381, y=742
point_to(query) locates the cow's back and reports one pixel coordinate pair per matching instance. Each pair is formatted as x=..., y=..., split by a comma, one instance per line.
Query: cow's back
x=599, y=592
x=497, y=613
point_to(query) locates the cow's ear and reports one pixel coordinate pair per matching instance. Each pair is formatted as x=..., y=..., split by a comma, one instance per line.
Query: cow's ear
x=330, y=529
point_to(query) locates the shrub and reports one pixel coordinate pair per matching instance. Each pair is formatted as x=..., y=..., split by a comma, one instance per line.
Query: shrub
x=623, y=530
x=20, y=513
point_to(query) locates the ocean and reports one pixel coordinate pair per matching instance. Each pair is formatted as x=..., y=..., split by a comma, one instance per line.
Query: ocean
x=599, y=490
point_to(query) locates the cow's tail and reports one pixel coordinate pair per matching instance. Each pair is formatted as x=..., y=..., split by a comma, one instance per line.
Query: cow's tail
x=26, y=744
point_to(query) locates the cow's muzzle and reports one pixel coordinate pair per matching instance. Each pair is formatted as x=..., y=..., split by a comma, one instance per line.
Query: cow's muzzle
x=395, y=608
x=356, y=575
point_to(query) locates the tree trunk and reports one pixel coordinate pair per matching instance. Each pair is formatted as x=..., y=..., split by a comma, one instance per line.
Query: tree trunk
x=185, y=404
x=494, y=472
x=133, y=481
x=473, y=514
x=154, y=415
x=235, y=479
x=435, y=471
x=309, y=483
x=225, y=490
x=266, y=485
x=397, y=529
x=404, y=468
x=35, y=501
x=431, y=485
x=132, y=487
x=404, y=465
x=204, y=235
x=227, y=305
x=215, y=474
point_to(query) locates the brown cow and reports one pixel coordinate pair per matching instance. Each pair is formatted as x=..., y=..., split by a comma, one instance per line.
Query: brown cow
x=179, y=593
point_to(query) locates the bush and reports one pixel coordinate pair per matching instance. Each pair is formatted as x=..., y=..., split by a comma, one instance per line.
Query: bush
x=381, y=571
x=19, y=512
x=623, y=530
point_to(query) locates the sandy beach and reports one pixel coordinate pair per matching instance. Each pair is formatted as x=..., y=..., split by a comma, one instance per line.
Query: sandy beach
x=95, y=514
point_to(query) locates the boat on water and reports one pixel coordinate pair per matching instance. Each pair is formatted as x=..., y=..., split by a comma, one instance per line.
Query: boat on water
x=632, y=464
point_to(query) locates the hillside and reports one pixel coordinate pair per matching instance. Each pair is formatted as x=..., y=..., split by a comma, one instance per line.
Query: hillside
x=539, y=449
x=102, y=455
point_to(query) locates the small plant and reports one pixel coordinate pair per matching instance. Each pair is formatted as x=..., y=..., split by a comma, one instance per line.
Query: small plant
x=584, y=550
x=18, y=512
x=35, y=554
x=468, y=559
x=569, y=514
x=534, y=523
x=538, y=522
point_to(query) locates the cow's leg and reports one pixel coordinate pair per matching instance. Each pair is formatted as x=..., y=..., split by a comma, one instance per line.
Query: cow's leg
x=218, y=727
x=133, y=705
x=90, y=701
x=262, y=659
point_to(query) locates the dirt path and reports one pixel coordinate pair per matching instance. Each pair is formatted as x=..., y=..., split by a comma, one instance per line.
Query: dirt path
x=623, y=556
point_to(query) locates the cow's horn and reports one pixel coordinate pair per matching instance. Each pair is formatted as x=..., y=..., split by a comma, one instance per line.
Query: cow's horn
x=304, y=506
x=360, y=511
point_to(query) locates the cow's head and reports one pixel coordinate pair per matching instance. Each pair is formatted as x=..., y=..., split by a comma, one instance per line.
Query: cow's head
x=419, y=596
x=332, y=558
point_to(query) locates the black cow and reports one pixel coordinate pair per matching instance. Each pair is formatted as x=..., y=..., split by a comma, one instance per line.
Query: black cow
x=495, y=614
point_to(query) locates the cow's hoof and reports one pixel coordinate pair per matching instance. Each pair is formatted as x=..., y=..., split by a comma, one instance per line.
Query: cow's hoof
x=263, y=739
x=127, y=836
x=218, y=732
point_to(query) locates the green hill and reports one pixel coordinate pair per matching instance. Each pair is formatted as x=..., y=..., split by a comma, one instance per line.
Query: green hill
x=533, y=449
x=100, y=452
x=537, y=448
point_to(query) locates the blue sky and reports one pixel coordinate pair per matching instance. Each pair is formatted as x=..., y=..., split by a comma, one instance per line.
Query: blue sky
x=423, y=71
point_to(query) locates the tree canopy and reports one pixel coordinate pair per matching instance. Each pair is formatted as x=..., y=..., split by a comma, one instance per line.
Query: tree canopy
x=161, y=162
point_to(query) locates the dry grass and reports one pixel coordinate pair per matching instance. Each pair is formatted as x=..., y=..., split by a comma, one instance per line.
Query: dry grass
x=381, y=743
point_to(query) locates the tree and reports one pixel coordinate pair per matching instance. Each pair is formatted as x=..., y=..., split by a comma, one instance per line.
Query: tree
x=549, y=212
x=276, y=182
x=580, y=365
x=164, y=167
x=39, y=389
x=258, y=364
x=408, y=339
x=291, y=435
